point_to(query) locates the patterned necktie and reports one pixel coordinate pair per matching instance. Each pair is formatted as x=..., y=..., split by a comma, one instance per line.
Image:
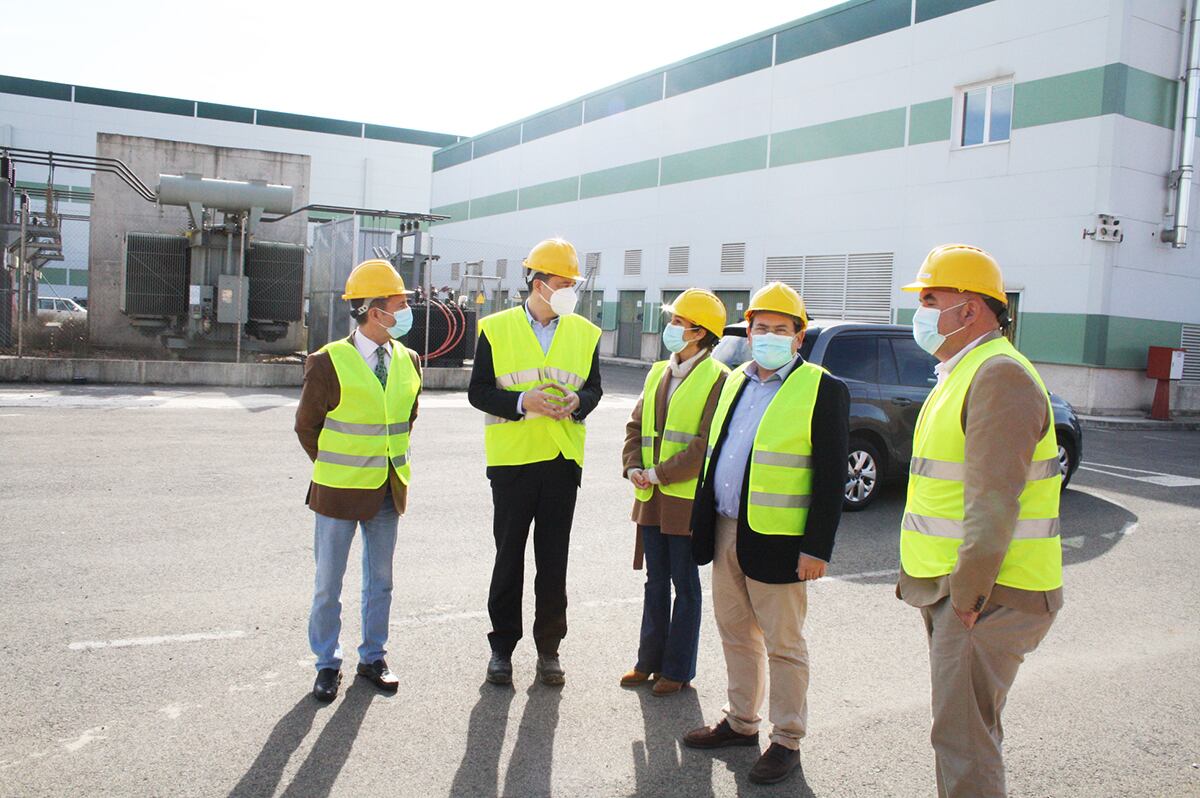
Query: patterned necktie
x=381, y=366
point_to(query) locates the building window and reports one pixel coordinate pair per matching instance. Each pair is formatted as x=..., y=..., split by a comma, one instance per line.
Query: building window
x=733, y=258
x=633, y=262
x=677, y=260
x=986, y=114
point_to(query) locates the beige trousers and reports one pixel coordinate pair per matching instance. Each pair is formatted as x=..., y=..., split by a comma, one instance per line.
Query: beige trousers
x=760, y=624
x=972, y=672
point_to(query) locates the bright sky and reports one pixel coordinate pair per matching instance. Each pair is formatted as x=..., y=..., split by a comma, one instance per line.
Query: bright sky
x=454, y=67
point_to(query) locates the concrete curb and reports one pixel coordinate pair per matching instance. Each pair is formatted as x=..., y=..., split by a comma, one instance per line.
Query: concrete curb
x=1141, y=424
x=180, y=372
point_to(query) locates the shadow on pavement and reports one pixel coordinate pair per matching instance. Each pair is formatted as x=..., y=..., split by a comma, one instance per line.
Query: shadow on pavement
x=263, y=776
x=532, y=758
x=479, y=772
x=661, y=764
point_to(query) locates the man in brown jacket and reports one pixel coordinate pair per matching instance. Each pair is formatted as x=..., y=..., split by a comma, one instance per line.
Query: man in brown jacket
x=980, y=552
x=665, y=442
x=356, y=411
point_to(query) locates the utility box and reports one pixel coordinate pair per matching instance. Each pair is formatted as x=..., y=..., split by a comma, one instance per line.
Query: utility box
x=231, y=299
x=1165, y=363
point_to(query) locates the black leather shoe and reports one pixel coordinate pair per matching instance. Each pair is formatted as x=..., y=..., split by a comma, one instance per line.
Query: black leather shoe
x=720, y=736
x=550, y=671
x=499, y=669
x=775, y=765
x=326, y=686
x=378, y=673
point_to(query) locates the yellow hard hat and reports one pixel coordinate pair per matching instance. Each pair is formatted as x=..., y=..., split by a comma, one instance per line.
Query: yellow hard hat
x=962, y=267
x=554, y=256
x=778, y=298
x=702, y=307
x=372, y=279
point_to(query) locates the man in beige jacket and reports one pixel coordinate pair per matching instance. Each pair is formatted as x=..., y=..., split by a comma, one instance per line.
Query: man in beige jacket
x=980, y=551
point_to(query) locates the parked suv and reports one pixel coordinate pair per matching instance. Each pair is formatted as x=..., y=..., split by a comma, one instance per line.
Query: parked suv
x=889, y=377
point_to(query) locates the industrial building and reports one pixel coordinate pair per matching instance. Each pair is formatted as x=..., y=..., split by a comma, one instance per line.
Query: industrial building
x=834, y=151
x=356, y=164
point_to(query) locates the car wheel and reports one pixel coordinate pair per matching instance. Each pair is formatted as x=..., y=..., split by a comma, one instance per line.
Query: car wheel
x=862, y=477
x=1066, y=459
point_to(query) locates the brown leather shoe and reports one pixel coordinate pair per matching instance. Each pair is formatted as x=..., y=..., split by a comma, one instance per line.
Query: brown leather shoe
x=635, y=678
x=775, y=764
x=719, y=736
x=665, y=686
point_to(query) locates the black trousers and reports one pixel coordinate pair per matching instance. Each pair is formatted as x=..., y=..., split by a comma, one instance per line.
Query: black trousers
x=542, y=494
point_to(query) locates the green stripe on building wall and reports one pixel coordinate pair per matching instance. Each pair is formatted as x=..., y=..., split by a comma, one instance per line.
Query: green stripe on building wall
x=493, y=204
x=930, y=121
x=879, y=131
x=78, y=277
x=619, y=179
x=746, y=155
x=134, y=101
x=313, y=124
x=35, y=88
x=1111, y=89
x=849, y=23
x=552, y=193
x=54, y=276
x=225, y=113
x=457, y=211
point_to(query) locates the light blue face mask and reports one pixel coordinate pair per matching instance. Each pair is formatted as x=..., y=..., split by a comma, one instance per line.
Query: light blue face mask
x=925, y=328
x=772, y=351
x=672, y=336
x=402, y=322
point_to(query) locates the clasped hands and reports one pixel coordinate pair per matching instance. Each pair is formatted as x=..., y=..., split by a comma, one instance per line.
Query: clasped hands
x=540, y=401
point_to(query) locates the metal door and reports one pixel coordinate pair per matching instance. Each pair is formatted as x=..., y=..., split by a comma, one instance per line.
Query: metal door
x=629, y=324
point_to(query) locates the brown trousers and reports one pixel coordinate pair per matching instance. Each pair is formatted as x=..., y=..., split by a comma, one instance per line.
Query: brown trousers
x=760, y=624
x=972, y=672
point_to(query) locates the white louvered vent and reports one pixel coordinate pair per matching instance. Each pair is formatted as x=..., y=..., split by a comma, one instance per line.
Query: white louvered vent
x=455, y=272
x=733, y=258
x=855, y=287
x=474, y=268
x=633, y=261
x=1190, y=340
x=592, y=263
x=677, y=260
x=502, y=267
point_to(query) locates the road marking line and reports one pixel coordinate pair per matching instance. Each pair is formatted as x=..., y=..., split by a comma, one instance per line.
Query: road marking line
x=1152, y=477
x=194, y=637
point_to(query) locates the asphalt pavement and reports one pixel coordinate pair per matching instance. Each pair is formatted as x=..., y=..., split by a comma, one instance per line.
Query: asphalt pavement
x=157, y=574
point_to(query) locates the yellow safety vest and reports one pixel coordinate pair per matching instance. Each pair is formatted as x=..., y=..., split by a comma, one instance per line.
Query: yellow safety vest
x=369, y=428
x=520, y=365
x=683, y=420
x=932, y=528
x=780, y=478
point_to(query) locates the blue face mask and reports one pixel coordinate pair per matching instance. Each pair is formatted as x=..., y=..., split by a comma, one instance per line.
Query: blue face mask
x=672, y=336
x=925, y=328
x=772, y=351
x=402, y=322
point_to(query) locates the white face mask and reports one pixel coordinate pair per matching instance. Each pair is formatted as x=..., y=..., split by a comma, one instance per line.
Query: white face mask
x=562, y=301
x=925, y=328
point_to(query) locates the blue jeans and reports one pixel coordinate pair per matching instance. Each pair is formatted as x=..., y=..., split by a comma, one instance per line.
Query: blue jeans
x=670, y=637
x=331, y=549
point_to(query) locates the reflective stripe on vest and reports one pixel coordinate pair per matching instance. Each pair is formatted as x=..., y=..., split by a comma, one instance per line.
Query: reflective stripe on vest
x=370, y=426
x=932, y=528
x=780, y=478
x=684, y=412
x=520, y=365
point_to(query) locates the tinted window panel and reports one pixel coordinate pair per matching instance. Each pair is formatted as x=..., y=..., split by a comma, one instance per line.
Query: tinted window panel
x=852, y=357
x=914, y=364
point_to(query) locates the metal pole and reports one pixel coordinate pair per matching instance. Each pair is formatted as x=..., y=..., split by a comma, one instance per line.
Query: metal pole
x=1178, y=235
x=242, y=299
x=21, y=280
x=427, y=281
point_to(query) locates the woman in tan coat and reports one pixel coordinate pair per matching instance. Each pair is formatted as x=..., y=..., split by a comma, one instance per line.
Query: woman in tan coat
x=665, y=444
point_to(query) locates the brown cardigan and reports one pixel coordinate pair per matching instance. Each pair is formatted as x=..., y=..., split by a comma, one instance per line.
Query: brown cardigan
x=670, y=513
x=320, y=395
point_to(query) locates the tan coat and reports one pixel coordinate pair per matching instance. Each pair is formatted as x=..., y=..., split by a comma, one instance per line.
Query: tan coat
x=320, y=395
x=670, y=513
x=1004, y=416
